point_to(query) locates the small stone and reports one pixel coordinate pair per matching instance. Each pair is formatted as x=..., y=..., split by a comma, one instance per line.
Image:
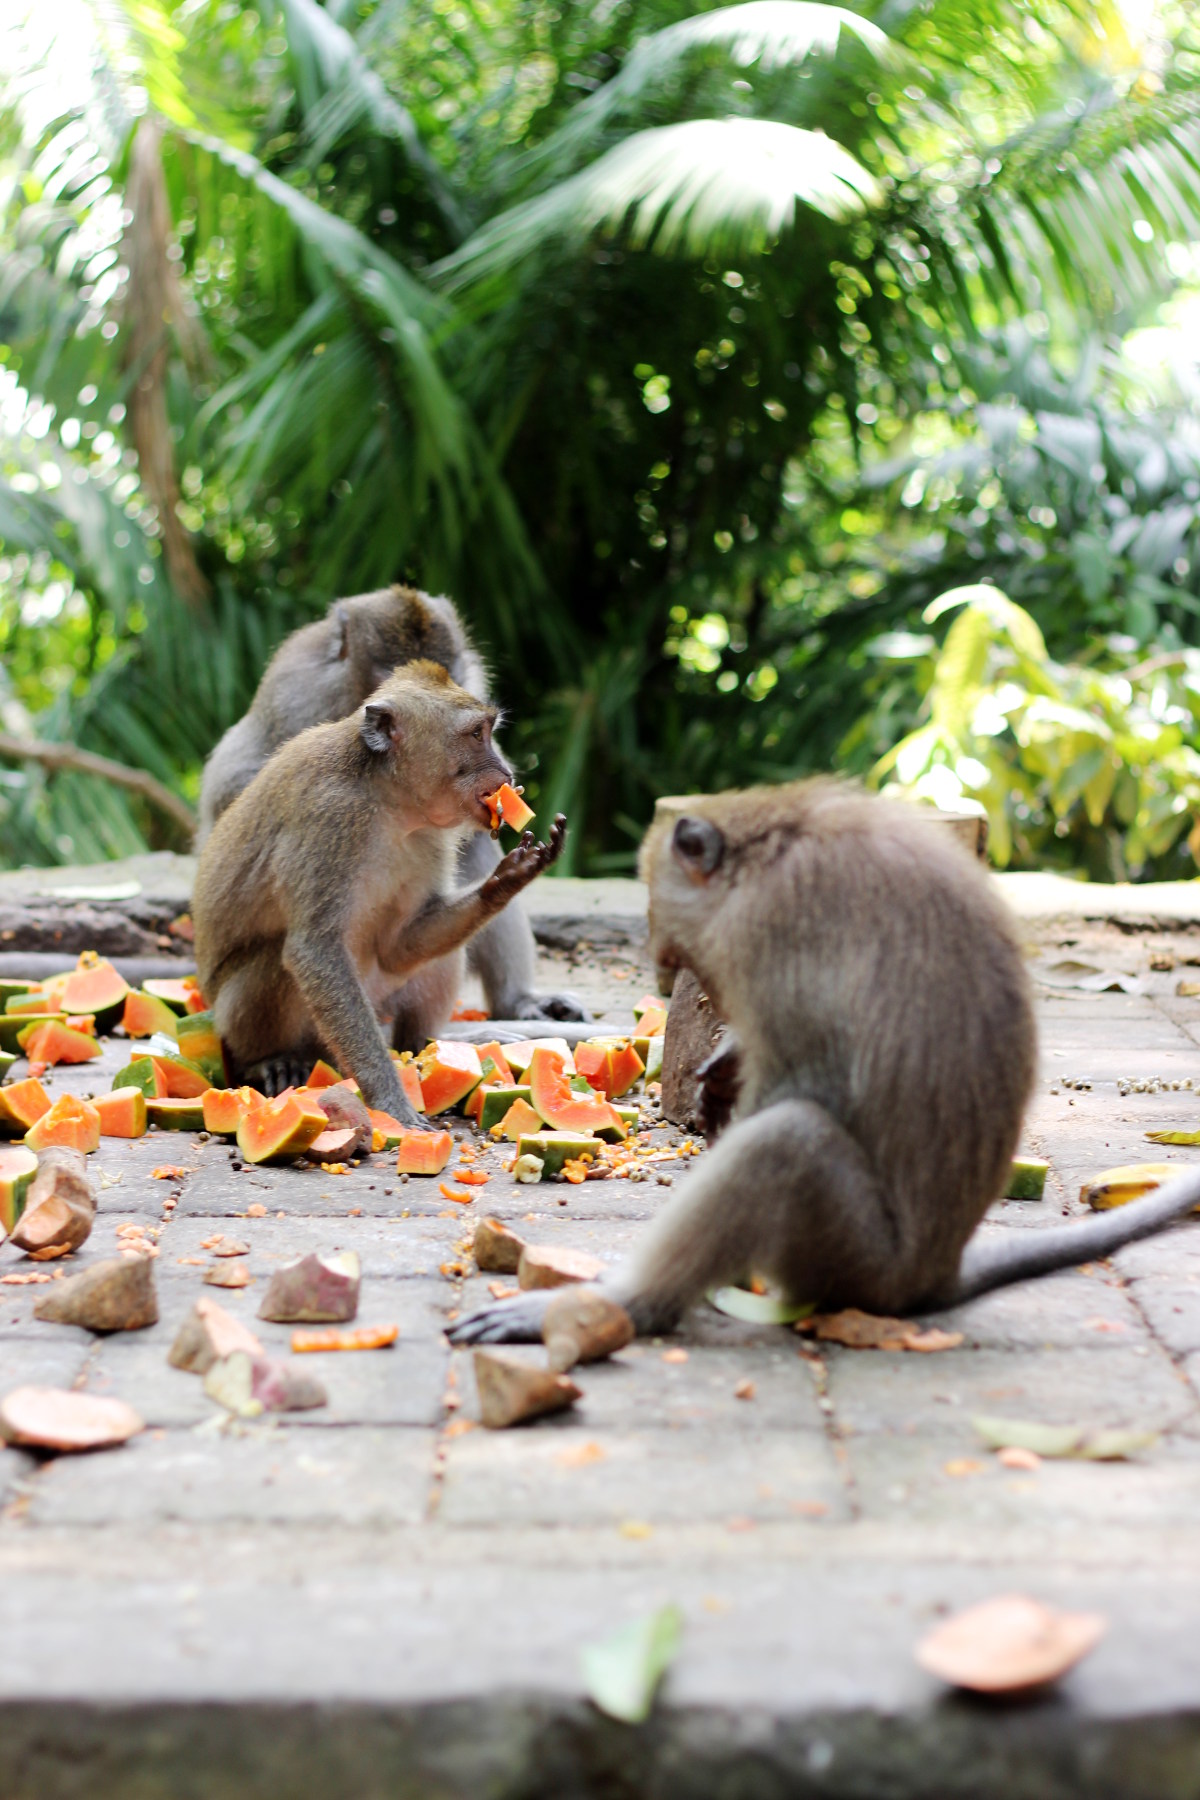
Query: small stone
x=497, y=1249
x=584, y=1326
x=511, y=1390
x=543, y=1266
x=115, y=1295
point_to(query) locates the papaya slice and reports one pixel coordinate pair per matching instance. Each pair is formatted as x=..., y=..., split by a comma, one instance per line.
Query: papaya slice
x=559, y=1106
x=182, y=1079
x=172, y=990
x=144, y=1015
x=501, y=1074
x=18, y=1166
x=122, y=1112
x=554, y=1148
x=22, y=1104
x=48, y=1041
x=648, y=1003
x=323, y=1075
x=199, y=1044
x=410, y=1083
x=280, y=1128
x=176, y=1114
x=506, y=804
x=225, y=1108
x=85, y=1022
x=29, y=1006
x=11, y=984
x=517, y=1055
x=447, y=1072
x=6, y=1063
x=93, y=986
x=142, y=1073
x=70, y=1124
x=498, y=1102
x=625, y=1067
x=13, y=1024
x=424, y=1152
x=519, y=1121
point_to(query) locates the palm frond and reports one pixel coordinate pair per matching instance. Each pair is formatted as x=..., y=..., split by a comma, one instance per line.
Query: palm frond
x=724, y=186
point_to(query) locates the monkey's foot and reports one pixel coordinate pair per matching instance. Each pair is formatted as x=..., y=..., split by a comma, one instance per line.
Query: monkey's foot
x=544, y=1006
x=516, y=1321
x=275, y=1073
x=527, y=860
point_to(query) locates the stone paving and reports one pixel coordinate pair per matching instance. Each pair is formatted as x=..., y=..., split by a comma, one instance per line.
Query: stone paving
x=381, y=1598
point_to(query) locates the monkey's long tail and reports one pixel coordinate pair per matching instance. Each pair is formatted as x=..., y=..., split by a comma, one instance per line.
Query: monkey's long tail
x=994, y=1264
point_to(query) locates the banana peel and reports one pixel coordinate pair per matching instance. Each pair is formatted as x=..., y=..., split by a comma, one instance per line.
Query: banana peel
x=1117, y=1187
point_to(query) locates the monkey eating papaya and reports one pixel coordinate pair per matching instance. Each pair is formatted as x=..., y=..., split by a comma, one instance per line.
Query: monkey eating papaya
x=325, y=671
x=328, y=883
x=880, y=1056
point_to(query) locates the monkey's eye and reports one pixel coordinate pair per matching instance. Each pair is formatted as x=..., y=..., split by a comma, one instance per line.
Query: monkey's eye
x=698, y=845
x=477, y=734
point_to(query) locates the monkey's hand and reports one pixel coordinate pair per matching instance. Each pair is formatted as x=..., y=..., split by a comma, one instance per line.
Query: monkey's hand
x=517, y=1321
x=720, y=1078
x=522, y=864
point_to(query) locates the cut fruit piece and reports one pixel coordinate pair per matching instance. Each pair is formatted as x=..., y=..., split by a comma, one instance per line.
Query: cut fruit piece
x=280, y=1129
x=506, y=804
x=511, y=1389
x=580, y=1326
x=424, y=1152
x=27, y=1006
x=200, y=1045
x=447, y=1071
x=497, y=1248
x=384, y=1127
x=410, y=1086
x=497, y=1103
x=172, y=991
x=142, y=1073
x=48, y=1041
x=117, y=1294
x=18, y=1166
x=144, y=1015
x=323, y=1075
x=314, y=1290
x=225, y=1108
x=11, y=984
x=625, y=1067
x=176, y=1114
x=561, y=1108
x=519, y=1055
x=56, y=1419
x=85, y=1022
x=553, y=1148
x=1026, y=1179
x=6, y=1063
x=653, y=1022
x=60, y=1207
x=13, y=1024
x=345, y=1112
x=22, y=1104
x=93, y=986
x=1117, y=1187
x=182, y=1079
x=500, y=1073
x=547, y=1265
x=122, y=1113
x=594, y=1063
x=70, y=1124
x=519, y=1121
x=207, y=1334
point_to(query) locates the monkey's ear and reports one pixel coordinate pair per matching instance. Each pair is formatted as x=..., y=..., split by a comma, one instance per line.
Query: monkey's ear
x=698, y=845
x=339, y=649
x=380, y=726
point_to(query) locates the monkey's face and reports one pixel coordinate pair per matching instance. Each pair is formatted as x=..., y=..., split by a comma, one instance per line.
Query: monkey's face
x=683, y=864
x=477, y=770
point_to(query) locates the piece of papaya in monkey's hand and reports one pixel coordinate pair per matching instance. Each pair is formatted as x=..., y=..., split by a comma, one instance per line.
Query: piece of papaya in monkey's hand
x=523, y=863
x=720, y=1079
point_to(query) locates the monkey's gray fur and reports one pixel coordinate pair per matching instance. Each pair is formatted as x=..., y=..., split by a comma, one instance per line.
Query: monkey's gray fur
x=881, y=1055
x=324, y=672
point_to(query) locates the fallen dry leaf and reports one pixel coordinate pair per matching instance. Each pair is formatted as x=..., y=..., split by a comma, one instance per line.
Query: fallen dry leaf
x=1008, y=1644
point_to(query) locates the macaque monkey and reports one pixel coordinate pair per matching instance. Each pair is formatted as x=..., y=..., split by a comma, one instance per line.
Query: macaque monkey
x=328, y=883
x=324, y=672
x=880, y=1056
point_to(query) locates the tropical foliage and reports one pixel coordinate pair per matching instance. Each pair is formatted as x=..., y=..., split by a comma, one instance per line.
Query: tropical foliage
x=693, y=352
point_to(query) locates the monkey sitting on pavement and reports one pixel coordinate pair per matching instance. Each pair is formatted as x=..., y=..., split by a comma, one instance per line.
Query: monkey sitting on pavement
x=881, y=1056
x=328, y=883
x=324, y=671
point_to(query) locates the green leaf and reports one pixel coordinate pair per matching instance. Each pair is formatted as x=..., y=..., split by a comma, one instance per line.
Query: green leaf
x=621, y=1673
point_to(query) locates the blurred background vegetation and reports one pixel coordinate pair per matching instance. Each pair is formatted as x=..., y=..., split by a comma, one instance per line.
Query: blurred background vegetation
x=774, y=387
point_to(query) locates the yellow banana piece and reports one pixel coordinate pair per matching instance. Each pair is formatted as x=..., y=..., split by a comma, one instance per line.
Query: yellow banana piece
x=1116, y=1187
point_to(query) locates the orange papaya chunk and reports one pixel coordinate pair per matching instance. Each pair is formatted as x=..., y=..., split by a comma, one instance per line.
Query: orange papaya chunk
x=626, y=1067
x=144, y=1015
x=70, y=1124
x=18, y=1166
x=594, y=1063
x=506, y=804
x=558, y=1104
x=447, y=1072
x=519, y=1121
x=503, y=1074
x=22, y=1104
x=323, y=1075
x=93, y=986
x=280, y=1128
x=225, y=1108
x=122, y=1113
x=424, y=1152
x=182, y=1079
x=51, y=1042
